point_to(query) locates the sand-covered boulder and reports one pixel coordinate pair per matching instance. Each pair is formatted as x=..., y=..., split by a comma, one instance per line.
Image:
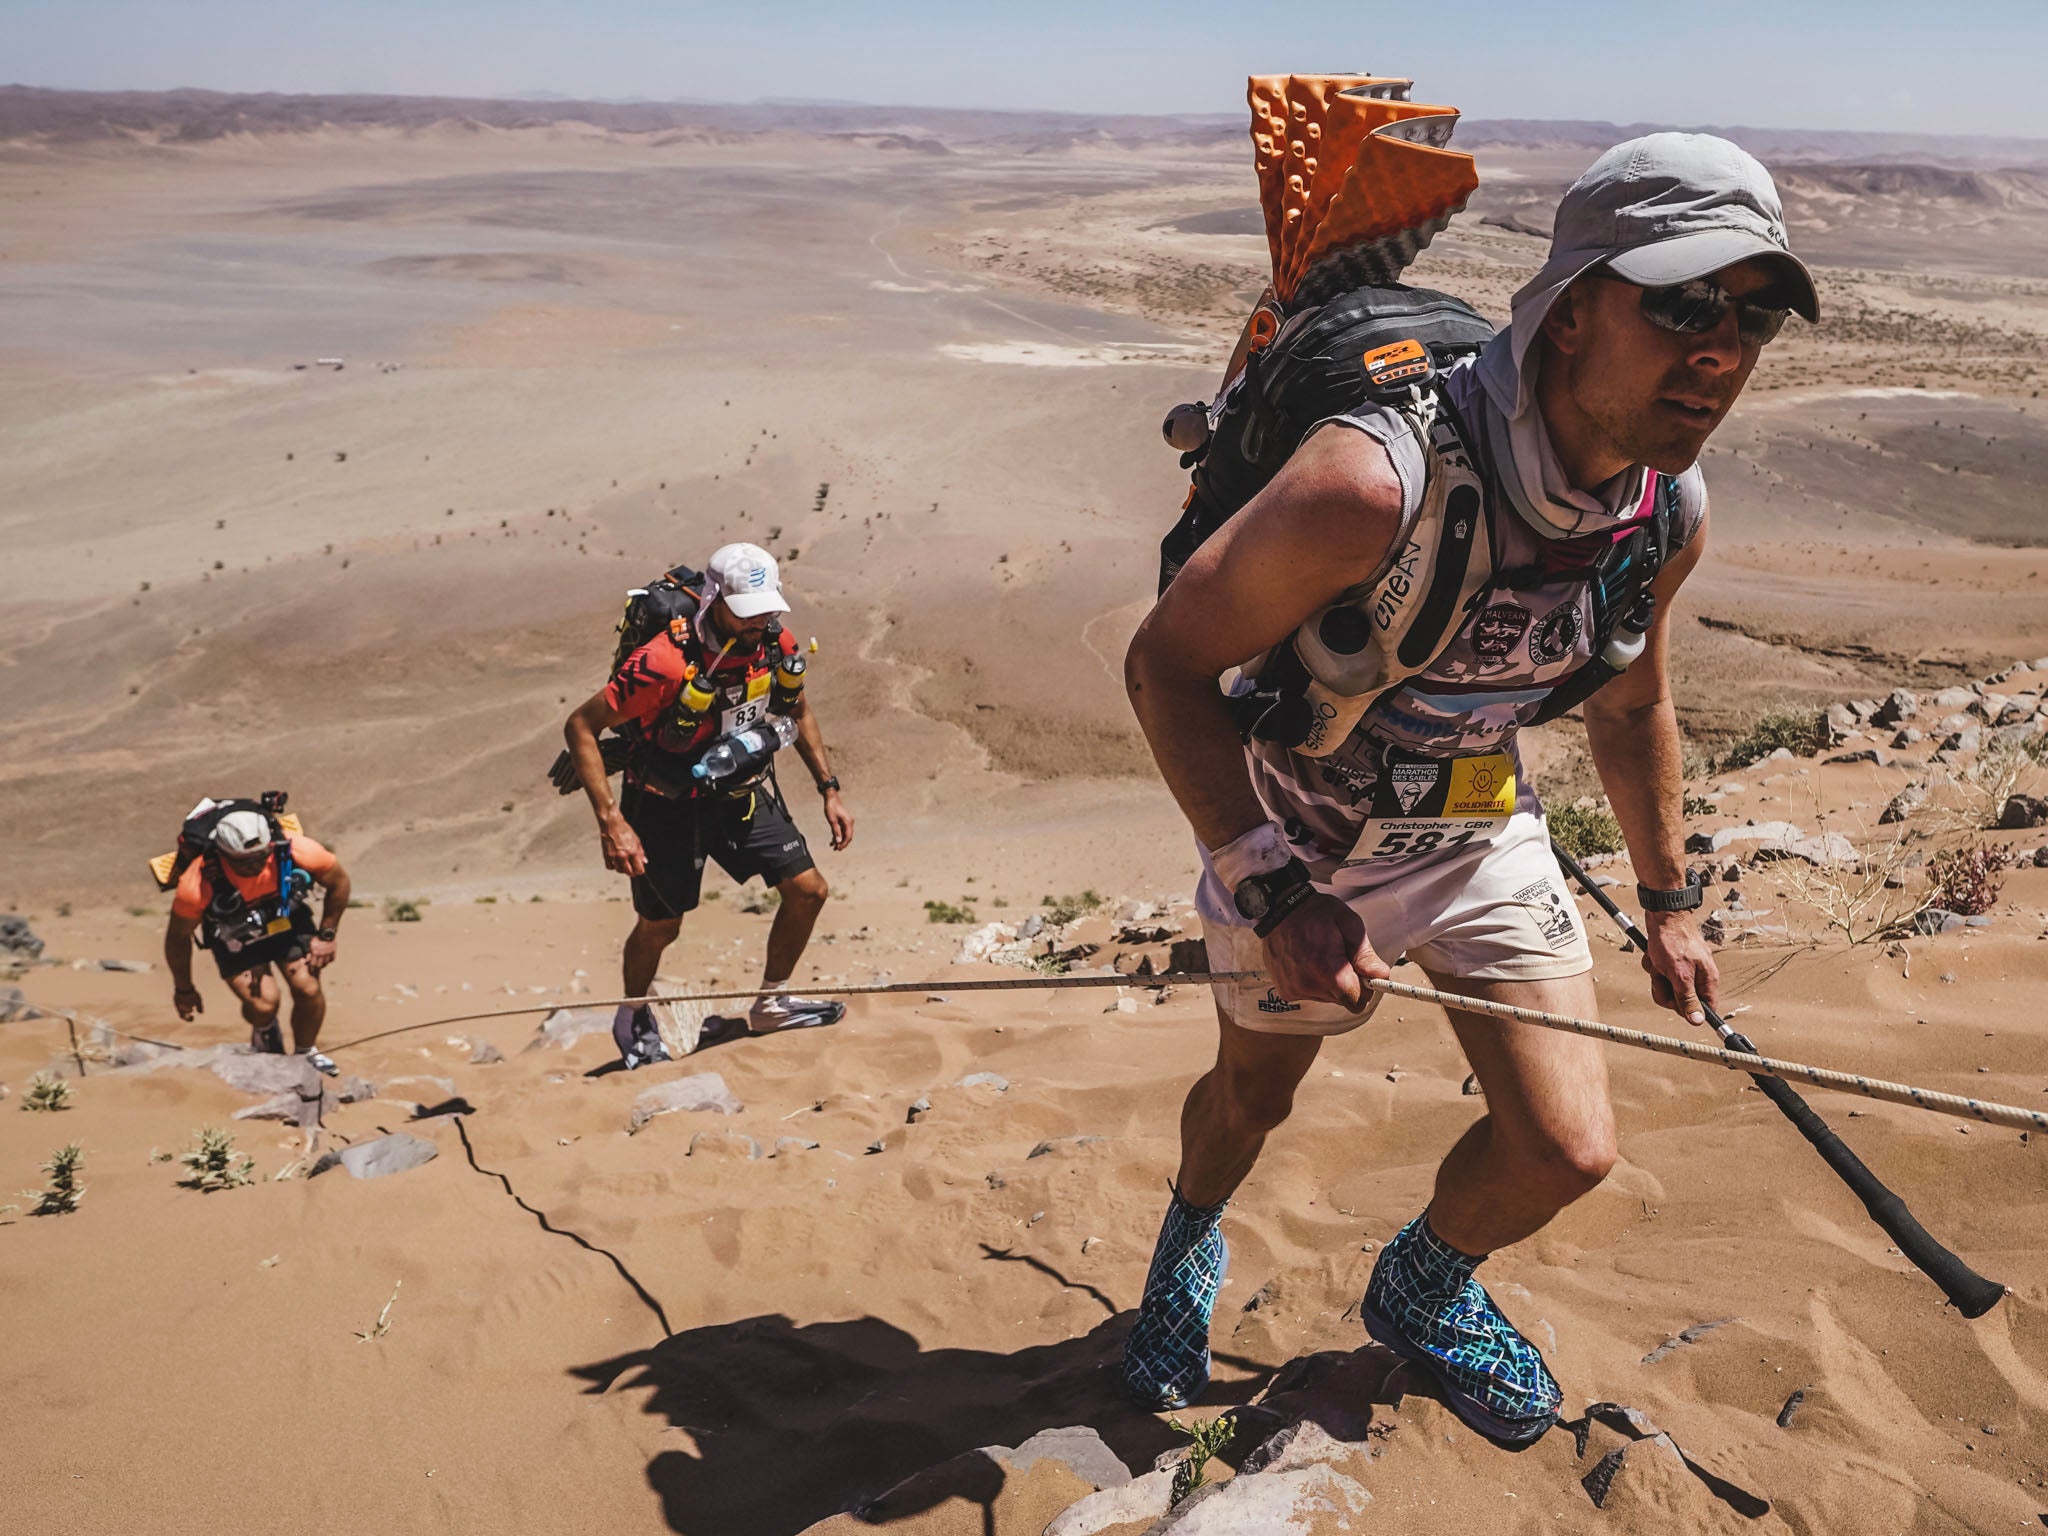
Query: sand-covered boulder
x=699, y=1092
x=396, y=1153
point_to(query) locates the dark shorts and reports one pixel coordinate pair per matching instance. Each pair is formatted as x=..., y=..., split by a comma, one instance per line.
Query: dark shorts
x=748, y=834
x=279, y=951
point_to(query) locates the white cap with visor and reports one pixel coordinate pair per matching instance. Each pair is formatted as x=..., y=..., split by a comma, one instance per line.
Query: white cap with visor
x=747, y=578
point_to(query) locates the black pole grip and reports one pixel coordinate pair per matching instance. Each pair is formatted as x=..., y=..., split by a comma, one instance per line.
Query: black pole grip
x=1972, y=1294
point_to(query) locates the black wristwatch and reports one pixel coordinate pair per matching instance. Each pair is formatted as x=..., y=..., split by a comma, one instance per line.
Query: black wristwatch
x=324, y=935
x=826, y=786
x=1686, y=898
x=1265, y=900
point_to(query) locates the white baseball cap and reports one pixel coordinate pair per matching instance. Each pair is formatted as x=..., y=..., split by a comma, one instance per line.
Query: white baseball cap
x=748, y=580
x=241, y=832
x=1664, y=208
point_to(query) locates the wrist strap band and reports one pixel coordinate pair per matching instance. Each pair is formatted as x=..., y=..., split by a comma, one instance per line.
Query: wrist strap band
x=1258, y=852
x=1284, y=903
x=1686, y=898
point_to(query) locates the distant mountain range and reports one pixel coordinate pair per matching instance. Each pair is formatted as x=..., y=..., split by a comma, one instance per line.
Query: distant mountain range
x=195, y=116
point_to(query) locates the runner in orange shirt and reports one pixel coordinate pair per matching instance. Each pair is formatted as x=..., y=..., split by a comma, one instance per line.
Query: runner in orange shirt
x=231, y=900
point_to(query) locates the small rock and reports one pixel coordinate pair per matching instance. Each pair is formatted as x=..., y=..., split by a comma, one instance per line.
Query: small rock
x=727, y=1144
x=2041, y=857
x=565, y=1026
x=1778, y=755
x=1863, y=755
x=485, y=1054
x=1934, y=920
x=919, y=1106
x=793, y=1144
x=1909, y=736
x=701, y=1091
x=139, y=967
x=994, y=1080
x=1978, y=922
x=396, y=1153
x=1785, y=1414
x=1470, y=1087
x=1904, y=803
x=2023, y=813
x=1055, y=1143
x=15, y=1006
x=1899, y=705
x=1731, y=872
x=17, y=940
x=1954, y=698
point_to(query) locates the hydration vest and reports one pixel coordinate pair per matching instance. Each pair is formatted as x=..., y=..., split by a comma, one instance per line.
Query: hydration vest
x=1310, y=692
x=231, y=919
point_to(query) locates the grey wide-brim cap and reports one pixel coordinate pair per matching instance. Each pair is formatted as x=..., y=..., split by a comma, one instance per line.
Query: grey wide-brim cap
x=1665, y=208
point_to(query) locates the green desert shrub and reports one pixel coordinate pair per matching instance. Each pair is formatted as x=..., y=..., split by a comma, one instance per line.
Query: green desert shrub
x=1582, y=831
x=213, y=1163
x=64, y=1192
x=1802, y=732
x=46, y=1092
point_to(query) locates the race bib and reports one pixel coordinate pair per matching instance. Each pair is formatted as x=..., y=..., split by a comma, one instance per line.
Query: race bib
x=1430, y=804
x=742, y=715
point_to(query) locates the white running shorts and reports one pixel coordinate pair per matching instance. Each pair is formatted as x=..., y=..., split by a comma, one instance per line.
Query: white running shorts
x=1500, y=911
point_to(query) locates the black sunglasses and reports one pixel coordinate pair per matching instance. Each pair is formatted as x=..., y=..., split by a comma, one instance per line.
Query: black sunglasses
x=1694, y=308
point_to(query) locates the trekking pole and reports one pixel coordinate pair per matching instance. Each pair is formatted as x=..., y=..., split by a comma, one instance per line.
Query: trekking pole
x=1972, y=1294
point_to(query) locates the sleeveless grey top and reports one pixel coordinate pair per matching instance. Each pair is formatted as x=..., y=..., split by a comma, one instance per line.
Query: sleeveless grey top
x=1489, y=678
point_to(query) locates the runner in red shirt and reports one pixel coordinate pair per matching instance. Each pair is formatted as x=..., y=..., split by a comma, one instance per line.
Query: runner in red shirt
x=664, y=823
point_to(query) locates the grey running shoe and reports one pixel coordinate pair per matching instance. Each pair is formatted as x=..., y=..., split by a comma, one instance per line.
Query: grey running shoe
x=322, y=1063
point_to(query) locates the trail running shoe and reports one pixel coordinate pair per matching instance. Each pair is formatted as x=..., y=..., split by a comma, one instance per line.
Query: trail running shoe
x=268, y=1039
x=639, y=1040
x=1424, y=1305
x=785, y=1012
x=1166, y=1357
x=322, y=1063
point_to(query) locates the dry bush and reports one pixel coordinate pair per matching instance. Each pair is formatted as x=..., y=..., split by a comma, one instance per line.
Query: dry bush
x=1869, y=899
x=1971, y=799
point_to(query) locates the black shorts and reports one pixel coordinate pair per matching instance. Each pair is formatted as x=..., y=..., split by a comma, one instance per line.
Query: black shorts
x=749, y=834
x=280, y=950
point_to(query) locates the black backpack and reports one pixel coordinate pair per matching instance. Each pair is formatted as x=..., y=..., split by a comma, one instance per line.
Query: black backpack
x=195, y=835
x=1312, y=369
x=676, y=594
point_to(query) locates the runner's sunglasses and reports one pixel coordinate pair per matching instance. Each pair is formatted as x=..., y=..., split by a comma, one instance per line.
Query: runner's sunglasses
x=1694, y=308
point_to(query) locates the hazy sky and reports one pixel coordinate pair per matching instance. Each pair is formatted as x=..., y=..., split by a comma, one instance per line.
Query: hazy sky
x=1874, y=64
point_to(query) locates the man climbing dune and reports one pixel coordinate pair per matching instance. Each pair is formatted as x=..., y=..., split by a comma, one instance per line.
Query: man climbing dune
x=723, y=668
x=1572, y=435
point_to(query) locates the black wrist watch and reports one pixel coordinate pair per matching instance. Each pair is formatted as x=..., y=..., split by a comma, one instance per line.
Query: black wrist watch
x=1265, y=900
x=1686, y=898
x=324, y=935
x=826, y=786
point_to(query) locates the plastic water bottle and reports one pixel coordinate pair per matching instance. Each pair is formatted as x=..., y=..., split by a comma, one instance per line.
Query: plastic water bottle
x=743, y=752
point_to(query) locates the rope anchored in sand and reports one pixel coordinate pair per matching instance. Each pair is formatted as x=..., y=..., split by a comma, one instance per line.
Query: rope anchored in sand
x=1957, y=1105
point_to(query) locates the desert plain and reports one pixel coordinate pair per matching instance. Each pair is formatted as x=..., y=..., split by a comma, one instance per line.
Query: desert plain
x=922, y=358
